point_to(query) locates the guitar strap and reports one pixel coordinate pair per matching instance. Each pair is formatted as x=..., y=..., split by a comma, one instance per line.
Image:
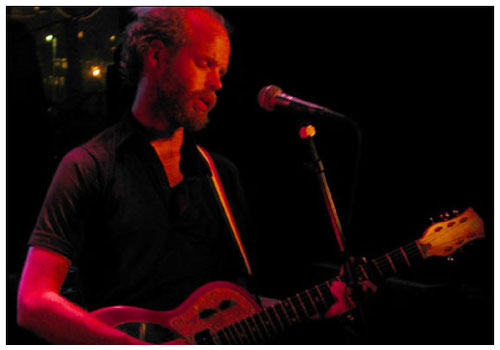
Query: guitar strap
x=224, y=203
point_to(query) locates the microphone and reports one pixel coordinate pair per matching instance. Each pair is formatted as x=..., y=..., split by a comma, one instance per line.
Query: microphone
x=272, y=96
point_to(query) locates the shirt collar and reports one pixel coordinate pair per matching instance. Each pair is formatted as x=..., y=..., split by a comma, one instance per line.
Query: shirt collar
x=129, y=129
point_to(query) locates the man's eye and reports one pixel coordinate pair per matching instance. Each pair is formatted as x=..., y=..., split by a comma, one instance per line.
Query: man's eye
x=202, y=64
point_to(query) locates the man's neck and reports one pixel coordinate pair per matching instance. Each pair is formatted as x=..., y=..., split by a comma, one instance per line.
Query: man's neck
x=170, y=146
x=147, y=113
x=169, y=152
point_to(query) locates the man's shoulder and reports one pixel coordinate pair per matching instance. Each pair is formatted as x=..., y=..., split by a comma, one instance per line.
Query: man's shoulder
x=98, y=152
x=105, y=143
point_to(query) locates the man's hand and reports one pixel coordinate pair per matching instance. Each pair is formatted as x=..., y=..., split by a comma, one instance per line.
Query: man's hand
x=343, y=293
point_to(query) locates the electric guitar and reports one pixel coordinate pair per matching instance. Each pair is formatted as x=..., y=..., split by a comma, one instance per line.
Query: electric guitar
x=224, y=313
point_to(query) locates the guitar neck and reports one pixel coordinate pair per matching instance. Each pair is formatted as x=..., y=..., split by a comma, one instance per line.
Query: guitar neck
x=390, y=263
x=271, y=321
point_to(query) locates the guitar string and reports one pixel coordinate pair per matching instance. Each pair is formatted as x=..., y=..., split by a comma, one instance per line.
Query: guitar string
x=383, y=262
x=411, y=250
x=281, y=315
x=262, y=322
x=260, y=326
x=254, y=330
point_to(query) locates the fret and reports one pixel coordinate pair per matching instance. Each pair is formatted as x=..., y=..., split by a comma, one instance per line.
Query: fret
x=327, y=294
x=215, y=338
x=301, y=310
x=290, y=311
x=398, y=259
x=420, y=250
x=255, y=330
x=364, y=272
x=414, y=250
x=259, y=321
x=311, y=310
x=226, y=338
x=241, y=333
x=405, y=256
x=234, y=334
x=378, y=268
x=223, y=338
x=269, y=321
x=317, y=300
x=321, y=297
x=313, y=303
x=247, y=331
x=388, y=257
x=282, y=312
x=276, y=317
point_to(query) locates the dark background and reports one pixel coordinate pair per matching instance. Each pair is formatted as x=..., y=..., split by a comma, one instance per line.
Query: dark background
x=419, y=83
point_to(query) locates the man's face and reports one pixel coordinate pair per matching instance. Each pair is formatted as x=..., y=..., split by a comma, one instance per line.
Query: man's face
x=193, y=74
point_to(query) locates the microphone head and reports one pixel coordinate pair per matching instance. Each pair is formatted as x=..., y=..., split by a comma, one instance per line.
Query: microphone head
x=267, y=96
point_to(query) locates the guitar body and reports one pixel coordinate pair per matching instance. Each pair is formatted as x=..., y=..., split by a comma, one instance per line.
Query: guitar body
x=213, y=306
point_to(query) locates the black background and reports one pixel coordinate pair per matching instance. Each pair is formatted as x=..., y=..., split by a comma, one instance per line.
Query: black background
x=419, y=83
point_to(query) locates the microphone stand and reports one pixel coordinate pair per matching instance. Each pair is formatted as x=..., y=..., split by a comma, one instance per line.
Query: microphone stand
x=307, y=133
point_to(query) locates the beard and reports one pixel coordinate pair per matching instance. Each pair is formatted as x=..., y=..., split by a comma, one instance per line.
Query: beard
x=176, y=106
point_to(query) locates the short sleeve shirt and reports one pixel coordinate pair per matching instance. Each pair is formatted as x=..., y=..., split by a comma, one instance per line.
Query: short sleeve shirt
x=135, y=240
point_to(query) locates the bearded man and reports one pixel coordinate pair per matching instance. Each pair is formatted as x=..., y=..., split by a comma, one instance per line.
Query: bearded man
x=133, y=208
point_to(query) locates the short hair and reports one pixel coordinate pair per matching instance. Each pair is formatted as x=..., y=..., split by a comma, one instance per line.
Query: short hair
x=154, y=23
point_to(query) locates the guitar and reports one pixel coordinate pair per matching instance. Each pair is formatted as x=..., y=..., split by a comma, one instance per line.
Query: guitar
x=224, y=313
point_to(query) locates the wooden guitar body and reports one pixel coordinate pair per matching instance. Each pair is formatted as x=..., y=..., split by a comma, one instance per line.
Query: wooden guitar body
x=213, y=306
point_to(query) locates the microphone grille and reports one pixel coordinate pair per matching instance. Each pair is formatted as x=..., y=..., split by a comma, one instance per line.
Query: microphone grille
x=267, y=96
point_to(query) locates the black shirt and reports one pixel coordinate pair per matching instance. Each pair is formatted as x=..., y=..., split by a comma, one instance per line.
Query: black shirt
x=135, y=240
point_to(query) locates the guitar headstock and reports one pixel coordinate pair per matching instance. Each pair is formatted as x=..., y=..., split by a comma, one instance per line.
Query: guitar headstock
x=444, y=238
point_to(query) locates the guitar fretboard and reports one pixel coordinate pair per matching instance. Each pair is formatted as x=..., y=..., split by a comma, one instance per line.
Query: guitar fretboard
x=271, y=321
x=390, y=263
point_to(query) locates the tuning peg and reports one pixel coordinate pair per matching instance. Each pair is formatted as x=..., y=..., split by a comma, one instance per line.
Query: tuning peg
x=445, y=216
x=432, y=220
x=454, y=213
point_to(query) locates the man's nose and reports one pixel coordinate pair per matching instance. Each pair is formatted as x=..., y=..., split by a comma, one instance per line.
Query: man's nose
x=214, y=81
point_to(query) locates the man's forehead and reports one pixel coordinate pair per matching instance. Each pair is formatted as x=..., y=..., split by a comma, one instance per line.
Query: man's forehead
x=199, y=19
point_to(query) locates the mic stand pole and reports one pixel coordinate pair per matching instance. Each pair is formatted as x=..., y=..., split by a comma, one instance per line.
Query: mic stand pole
x=307, y=133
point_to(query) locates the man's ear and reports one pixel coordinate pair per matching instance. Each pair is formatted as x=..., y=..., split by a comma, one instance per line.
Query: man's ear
x=156, y=51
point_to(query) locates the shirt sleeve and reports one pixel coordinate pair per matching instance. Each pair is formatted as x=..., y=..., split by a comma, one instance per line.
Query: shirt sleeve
x=59, y=226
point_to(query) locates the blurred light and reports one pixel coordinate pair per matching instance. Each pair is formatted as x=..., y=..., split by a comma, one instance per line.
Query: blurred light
x=112, y=37
x=80, y=34
x=36, y=8
x=49, y=38
x=307, y=131
x=96, y=71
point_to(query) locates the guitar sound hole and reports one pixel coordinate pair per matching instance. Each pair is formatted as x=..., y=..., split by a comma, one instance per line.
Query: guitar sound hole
x=206, y=313
x=149, y=332
x=226, y=304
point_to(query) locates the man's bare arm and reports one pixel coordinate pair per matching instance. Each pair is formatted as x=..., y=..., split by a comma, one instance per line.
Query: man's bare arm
x=41, y=308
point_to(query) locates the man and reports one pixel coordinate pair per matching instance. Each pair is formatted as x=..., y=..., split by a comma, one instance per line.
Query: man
x=133, y=207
